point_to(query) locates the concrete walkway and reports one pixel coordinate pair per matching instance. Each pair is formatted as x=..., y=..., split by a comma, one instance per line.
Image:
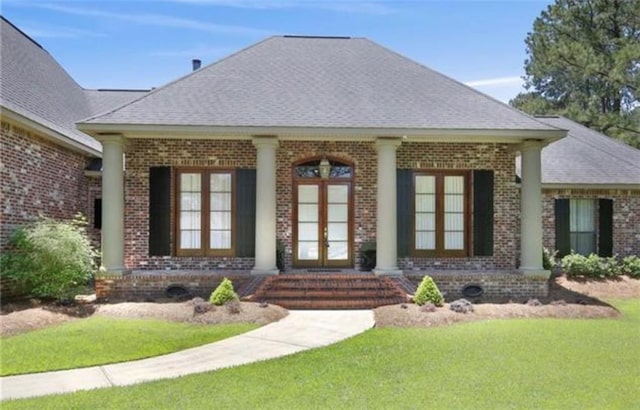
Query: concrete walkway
x=300, y=330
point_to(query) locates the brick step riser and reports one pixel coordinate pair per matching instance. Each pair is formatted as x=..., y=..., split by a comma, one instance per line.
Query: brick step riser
x=328, y=294
x=345, y=304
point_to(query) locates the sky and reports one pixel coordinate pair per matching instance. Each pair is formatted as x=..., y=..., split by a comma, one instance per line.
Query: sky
x=140, y=44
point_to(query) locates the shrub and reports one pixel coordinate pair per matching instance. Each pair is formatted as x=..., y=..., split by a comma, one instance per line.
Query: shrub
x=49, y=258
x=630, y=266
x=592, y=266
x=233, y=306
x=428, y=292
x=280, y=249
x=368, y=256
x=223, y=293
x=549, y=259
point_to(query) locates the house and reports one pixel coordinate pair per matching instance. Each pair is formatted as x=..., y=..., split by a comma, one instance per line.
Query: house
x=591, y=193
x=322, y=143
x=46, y=166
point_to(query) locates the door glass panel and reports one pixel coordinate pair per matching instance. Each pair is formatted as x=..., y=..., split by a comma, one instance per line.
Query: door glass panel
x=425, y=203
x=337, y=194
x=338, y=250
x=308, y=220
x=426, y=222
x=308, y=250
x=220, y=221
x=220, y=239
x=337, y=231
x=190, y=211
x=453, y=240
x=308, y=213
x=425, y=184
x=338, y=213
x=308, y=194
x=189, y=239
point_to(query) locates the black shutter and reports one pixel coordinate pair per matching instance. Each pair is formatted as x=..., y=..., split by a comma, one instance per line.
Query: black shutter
x=404, y=207
x=563, y=221
x=246, y=212
x=605, y=227
x=483, y=213
x=159, y=211
x=97, y=213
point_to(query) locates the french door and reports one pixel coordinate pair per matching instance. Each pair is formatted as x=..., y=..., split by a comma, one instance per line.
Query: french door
x=322, y=224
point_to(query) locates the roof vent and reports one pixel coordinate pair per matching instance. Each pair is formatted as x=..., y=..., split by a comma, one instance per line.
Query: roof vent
x=196, y=64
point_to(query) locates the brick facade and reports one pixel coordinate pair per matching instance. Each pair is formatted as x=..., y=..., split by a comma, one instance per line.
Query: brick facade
x=626, y=216
x=40, y=177
x=145, y=153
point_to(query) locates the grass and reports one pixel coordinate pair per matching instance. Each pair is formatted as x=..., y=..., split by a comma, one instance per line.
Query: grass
x=101, y=340
x=541, y=363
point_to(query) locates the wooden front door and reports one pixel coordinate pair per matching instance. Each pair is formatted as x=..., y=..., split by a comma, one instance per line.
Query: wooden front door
x=323, y=214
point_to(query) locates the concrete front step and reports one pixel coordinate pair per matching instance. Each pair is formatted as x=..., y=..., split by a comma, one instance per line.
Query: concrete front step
x=329, y=291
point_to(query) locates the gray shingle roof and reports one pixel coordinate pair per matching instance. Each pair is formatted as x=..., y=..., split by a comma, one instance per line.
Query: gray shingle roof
x=35, y=86
x=588, y=157
x=320, y=82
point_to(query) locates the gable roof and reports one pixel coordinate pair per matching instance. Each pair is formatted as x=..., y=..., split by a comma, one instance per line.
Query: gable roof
x=587, y=157
x=318, y=82
x=33, y=86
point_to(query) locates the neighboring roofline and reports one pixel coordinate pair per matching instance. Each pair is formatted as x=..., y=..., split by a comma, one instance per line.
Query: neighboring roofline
x=49, y=133
x=633, y=187
x=239, y=132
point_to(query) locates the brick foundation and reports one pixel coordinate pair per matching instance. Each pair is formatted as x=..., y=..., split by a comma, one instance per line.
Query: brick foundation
x=497, y=286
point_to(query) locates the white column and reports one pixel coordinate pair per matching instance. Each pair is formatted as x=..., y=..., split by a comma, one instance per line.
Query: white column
x=113, y=203
x=386, y=222
x=531, y=210
x=265, y=263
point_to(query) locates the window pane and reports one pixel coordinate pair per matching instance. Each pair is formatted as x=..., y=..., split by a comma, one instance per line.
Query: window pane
x=425, y=184
x=582, y=215
x=308, y=194
x=220, y=220
x=453, y=203
x=190, y=220
x=337, y=194
x=425, y=203
x=189, y=239
x=220, y=240
x=453, y=184
x=308, y=213
x=190, y=201
x=453, y=240
x=308, y=250
x=338, y=213
x=583, y=243
x=453, y=222
x=220, y=202
x=220, y=182
x=337, y=231
x=338, y=250
x=425, y=240
x=426, y=222
x=307, y=231
x=190, y=182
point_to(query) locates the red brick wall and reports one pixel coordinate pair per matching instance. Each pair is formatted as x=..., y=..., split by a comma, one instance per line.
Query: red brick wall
x=146, y=153
x=467, y=156
x=626, y=216
x=38, y=177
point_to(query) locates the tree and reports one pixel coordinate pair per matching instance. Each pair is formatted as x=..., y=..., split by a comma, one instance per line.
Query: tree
x=584, y=62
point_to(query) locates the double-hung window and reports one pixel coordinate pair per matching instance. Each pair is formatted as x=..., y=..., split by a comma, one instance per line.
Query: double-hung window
x=205, y=207
x=582, y=225
x=441, y=213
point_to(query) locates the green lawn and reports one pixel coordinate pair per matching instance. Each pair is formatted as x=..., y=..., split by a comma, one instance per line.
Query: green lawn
x=541, y=364
x=100, y=340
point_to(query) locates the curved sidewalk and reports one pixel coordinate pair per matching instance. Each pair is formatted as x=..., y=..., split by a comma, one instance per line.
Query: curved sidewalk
x=300, y=330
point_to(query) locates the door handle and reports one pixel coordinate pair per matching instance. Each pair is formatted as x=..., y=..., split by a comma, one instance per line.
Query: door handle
x=326, y=237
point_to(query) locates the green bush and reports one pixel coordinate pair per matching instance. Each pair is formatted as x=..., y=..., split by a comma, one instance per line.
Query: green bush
x=223, y=293
x=630, y=266
x=428, y=292
x=368, y=256
x=592, y=266
x=49, y=258
x=549, y=259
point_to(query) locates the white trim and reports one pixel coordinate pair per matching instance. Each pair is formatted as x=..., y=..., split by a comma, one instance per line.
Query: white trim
x=627, y=187
x=48, y=133
x=319, y=133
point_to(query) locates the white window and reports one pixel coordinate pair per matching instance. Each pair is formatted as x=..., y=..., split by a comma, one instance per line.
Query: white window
x=582, y=225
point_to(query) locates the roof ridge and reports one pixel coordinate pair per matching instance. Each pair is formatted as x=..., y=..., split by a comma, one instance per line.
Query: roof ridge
x=158, y=89
x=28, y=37
x=475, y=91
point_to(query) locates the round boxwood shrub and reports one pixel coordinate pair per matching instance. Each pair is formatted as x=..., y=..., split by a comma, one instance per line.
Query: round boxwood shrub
x=223, y=293
x=428, y=292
